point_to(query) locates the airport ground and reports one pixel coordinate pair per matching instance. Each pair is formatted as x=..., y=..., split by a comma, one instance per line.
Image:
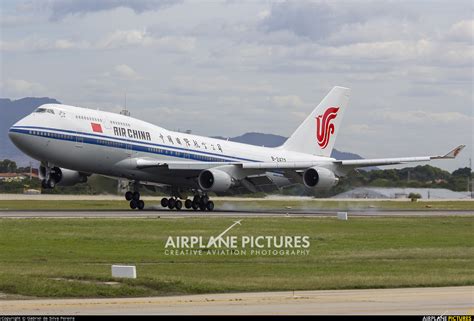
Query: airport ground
x=275, y=203
x=47, y=256
x=409, y=301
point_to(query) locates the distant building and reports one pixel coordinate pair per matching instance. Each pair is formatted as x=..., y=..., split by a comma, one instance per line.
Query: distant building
x=394, y=193
x=11, y=177
x=17, y=177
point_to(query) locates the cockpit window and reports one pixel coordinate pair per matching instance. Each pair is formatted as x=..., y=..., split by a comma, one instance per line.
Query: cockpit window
x=44, y=110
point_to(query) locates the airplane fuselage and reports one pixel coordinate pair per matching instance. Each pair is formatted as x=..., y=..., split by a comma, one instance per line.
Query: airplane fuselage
x=105, y=143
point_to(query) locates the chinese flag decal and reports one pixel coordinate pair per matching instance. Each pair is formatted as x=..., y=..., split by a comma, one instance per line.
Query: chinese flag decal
x=96, y=127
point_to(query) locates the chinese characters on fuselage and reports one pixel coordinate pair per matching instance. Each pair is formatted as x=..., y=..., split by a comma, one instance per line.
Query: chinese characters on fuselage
x=185, y=142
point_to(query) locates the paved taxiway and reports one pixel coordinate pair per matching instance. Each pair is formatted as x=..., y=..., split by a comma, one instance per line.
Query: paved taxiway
x=419, y=301
x=162, y=213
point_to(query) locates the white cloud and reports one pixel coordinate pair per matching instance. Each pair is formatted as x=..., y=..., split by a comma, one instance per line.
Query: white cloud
x=462, y=31
x=384, y=50
x=142, y=38
x=8, y=21
x=265, y=65
x=175, y=43
x=263, y=14
x=358, y=129
x=126, y=72
x=123, y=38
x=62, y=8
x=425, y=117
x=33, y=44
x=317, y=20
x=21, y=87
x=219, y=85
x=288, y=101
x=115, y=40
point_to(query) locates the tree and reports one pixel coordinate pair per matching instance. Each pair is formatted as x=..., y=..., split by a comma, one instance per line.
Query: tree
x=7, y=166
x=414, y=196
x=463, y=172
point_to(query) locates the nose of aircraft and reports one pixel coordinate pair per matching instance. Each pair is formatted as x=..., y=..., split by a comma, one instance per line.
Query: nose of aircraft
x=15, y=133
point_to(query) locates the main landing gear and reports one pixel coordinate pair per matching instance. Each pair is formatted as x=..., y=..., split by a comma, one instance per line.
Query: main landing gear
x=199, y=202
x=135, y=201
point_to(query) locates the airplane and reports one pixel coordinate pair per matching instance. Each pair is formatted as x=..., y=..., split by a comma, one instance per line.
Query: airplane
x=73, y=143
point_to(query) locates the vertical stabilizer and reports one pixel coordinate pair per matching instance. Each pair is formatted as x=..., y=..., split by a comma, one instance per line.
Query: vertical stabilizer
x=317, y=134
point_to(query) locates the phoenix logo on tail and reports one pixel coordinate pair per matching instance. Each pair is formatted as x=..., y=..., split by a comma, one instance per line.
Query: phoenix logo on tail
x=325, y=127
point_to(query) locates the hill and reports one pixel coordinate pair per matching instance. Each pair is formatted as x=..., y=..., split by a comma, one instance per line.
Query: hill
x=270, y=140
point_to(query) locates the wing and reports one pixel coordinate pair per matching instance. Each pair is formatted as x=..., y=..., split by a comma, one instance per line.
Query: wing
x=269, y=176
x=347, y=165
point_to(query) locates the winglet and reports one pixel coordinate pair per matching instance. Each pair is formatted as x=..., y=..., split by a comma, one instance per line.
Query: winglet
x=451, y=154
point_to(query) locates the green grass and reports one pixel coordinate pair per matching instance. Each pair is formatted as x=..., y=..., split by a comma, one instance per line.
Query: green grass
x=63, y=205
x=72, y=257
x=317, y=204
x=268, y=204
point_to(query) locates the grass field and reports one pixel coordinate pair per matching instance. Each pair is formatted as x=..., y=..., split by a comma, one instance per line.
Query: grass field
x=270, y=204
x=73, y=257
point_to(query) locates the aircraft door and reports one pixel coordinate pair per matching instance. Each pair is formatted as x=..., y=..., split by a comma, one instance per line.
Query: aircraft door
x=129, y=149
x=79, y=138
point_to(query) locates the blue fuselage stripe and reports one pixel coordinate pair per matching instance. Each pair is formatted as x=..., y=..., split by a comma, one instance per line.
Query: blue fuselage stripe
x=131, y=141
x=127, y=144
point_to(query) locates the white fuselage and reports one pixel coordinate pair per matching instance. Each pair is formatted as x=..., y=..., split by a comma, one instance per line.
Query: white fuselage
x=105, y=143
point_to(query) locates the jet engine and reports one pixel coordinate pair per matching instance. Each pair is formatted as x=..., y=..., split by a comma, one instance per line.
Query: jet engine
x=63, y=176
x=319, y=177
x=215, y=180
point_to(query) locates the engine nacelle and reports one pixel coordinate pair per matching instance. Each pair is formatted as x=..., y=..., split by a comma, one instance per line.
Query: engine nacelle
x=319, y=177
x=215, y=180
x=63, y=176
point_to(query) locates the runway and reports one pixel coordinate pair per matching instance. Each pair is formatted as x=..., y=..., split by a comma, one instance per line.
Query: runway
x=414, y=301
x=164, y=213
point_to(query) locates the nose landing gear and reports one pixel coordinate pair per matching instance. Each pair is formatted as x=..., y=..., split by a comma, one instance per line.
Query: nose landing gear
x=48, y=183
x=49, y=180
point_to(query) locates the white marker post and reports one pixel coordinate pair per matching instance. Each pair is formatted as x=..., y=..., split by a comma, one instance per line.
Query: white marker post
x=124, y=271
x=342, y=216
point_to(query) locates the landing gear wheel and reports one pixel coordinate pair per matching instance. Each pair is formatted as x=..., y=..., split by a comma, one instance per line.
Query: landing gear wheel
x=195, y=206
x=128, y=196
x=44, y=184
x=50, y=183
x=178, y=205
x=188, y=204
x=202, y=206
x=140, y=205
x=171, y=203
x=164, y=202
x=133, y=204
x=136, y=196
x=210, y=206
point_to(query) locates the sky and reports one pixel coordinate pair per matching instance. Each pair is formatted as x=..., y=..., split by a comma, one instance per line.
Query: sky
x=230, y=67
